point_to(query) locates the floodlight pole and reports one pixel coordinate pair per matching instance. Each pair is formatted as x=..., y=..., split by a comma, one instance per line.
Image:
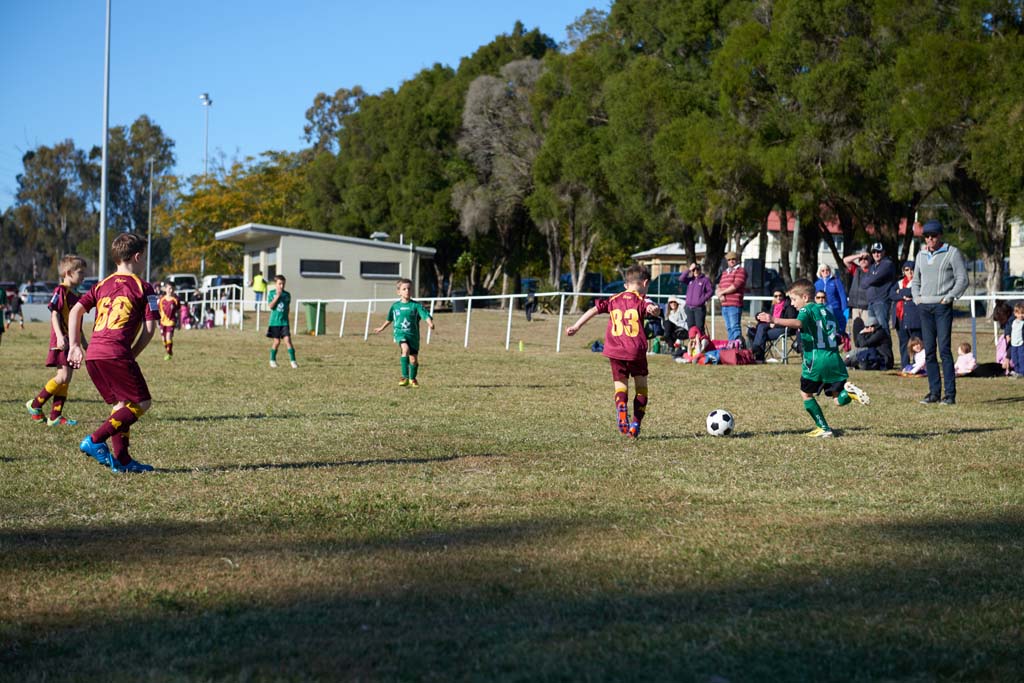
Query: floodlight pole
x=207, y=102
x=101, y=268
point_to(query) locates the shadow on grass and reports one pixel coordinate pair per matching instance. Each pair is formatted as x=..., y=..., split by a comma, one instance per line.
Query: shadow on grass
x=1007, y=399
x=511, y=385
x=253, y=467
x=948, y=432
x=247, y=416
x=21, y=402
x=916, y=600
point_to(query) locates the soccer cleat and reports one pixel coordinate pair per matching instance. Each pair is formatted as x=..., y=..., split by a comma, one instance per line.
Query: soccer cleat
x=99, y=451
x=167, y=356
x=819, y=433
x=273, y=363
x=295, y=366
x=857, y=394
x=133, y=467
x=634, y=430
x=61, y=422
x=35, y=413
x=404, y=382
x=623, y=414
x=414, y=384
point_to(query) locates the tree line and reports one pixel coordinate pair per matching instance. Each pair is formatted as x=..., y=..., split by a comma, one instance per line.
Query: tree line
x=654, y=121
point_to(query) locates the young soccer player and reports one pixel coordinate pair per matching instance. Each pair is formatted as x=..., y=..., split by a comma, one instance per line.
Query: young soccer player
x=278, y=327
x=124, y=304
x=406, y=315
x=169, y=308
x=625, y=344
x=823, y=367
x=72, y=272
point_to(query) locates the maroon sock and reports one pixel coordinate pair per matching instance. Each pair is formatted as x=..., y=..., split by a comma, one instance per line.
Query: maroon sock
x=120, y=421
x=43, y=396
x=58, y=406
x=639, y=407
x=119, y=440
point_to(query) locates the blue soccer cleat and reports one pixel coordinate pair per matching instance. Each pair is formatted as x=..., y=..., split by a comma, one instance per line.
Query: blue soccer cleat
x=634, y=430
x=133, y=467
x=95, y=450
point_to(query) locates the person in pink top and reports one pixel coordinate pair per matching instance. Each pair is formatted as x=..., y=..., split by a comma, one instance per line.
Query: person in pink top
x=731, y=286
x=966, y=363
x=124, y=305
x=625, y=344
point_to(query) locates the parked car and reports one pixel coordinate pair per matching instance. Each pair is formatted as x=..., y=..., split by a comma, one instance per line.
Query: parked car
x=36, y=293
x=87, y=284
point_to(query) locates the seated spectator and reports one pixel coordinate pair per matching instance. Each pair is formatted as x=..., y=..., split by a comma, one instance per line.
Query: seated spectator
x=674, y=322
x=874, y=344
x=915, y=347
x=965, y=361
x=759, y=336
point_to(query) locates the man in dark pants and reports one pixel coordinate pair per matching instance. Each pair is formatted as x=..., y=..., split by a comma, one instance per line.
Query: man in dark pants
x=878, y=281
x=940, y=277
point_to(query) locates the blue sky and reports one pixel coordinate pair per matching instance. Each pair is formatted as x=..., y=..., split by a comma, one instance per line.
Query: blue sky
x=261, y=61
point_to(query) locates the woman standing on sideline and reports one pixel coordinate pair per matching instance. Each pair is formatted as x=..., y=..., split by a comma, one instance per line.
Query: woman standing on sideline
x=835, y=294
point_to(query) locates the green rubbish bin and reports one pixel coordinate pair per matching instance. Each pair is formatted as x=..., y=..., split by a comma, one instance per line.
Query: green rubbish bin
x=312, y=322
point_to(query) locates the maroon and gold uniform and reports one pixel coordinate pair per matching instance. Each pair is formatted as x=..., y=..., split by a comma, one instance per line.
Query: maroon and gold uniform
x=170, y=308
x=624, y=340
x=61, y=302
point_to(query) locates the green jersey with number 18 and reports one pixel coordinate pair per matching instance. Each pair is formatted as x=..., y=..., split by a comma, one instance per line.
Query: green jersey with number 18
x=819, y=335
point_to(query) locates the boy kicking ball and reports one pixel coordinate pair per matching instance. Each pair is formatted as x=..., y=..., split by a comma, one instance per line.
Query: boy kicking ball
x=823, y=367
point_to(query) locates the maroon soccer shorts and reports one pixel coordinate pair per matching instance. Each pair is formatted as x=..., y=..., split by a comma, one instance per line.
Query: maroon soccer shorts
x=166, y=330
x=622, y=370
x=56, y=358
x=118, y=380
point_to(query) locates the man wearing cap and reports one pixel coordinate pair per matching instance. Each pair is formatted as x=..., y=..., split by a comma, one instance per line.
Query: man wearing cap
x=877, y=281
x=730, y=292
x=940, y=278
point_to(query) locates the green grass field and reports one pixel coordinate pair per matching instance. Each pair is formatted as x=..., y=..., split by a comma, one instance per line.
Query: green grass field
x=325, y=524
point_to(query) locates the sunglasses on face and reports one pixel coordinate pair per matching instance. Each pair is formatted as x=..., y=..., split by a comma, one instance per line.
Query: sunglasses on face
x=777, y=296
x=819, y=298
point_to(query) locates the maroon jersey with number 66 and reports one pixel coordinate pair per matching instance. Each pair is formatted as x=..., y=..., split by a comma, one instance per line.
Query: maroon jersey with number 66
x=122, y=302
x=624, y=339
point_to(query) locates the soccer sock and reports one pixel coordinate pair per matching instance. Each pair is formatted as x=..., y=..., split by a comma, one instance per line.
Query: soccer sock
x=639, y=407
x=291, y=355
x=413, y=368
x=843, y=398
x=812, y=407
x=59, y=397
x=405, y=367
x=119, y=421
x=273, y=354
x=621, y=397
x=119, y=440
x=48, y=390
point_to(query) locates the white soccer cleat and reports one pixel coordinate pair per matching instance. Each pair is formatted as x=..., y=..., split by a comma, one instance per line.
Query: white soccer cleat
x=295, y=366
x=273, y=363
x=857, y=394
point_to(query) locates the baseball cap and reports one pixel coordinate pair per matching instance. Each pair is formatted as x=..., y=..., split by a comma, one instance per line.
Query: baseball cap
x=877, y=246
x=908, y=264
x=731, y=254
x=932, y=227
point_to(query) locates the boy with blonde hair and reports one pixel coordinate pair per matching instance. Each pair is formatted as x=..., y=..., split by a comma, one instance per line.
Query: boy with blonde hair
x=625, y=344
x=406, y=315
x=72, y=272
x=124, y=305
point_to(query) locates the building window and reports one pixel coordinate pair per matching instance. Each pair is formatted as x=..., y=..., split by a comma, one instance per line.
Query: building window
x=319, y=268
x=388, y=270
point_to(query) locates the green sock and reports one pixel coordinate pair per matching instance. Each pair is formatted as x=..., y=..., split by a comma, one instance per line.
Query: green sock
x=405, y=367
x=413, y=367
x=291, y=355
x=273, y=354
x=812, y=407
x=843, y=398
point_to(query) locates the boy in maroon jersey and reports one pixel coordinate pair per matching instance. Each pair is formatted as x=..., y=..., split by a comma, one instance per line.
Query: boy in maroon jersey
x=169, y=309
x=625, y=344
x=72, y=272
x=124, y=304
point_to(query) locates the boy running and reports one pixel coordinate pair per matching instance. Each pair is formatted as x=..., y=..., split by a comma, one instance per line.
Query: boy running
x=406, y=314
x=169, y=309
x=625, y=344
x=278, y=329
x=823, y=367
x=124, y=304
x=72, y=272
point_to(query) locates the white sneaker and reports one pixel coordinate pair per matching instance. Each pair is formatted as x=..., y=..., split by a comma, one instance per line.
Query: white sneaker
x=857, y=394
x=295, y=365
x=273, y=363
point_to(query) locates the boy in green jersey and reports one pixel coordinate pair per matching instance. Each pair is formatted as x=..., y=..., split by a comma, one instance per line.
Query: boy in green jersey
x=278, y=328
x=823, y=367
x=406, y=315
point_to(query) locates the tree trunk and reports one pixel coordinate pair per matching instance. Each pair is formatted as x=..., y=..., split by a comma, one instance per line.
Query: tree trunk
x=785, y=245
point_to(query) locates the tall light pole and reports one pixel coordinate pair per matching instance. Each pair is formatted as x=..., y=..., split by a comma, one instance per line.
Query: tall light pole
x=101, y=269
x=149, y=228
x=207, y=103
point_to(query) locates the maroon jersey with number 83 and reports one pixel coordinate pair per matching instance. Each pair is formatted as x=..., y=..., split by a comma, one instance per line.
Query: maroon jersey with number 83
x=625, y=339
x=122, y=302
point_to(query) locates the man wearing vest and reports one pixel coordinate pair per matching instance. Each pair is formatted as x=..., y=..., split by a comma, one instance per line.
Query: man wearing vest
x=730, y=293
x=259, y=286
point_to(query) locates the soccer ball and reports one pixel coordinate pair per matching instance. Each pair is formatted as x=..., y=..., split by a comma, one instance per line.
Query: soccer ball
x=720, y=423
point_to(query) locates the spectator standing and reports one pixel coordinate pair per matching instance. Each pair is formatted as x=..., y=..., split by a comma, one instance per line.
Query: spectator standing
x=698, y=291
x=835, y=295
x=940, y=278
x=730, y=292
x=1017, y=340
x=259, y=287
x=857, y=297
x=908, y=319
x=877, y=282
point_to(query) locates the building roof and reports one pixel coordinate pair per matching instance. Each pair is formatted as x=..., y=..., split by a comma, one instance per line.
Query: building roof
x=253, y=232
x=673, y=250
x=775, y=223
